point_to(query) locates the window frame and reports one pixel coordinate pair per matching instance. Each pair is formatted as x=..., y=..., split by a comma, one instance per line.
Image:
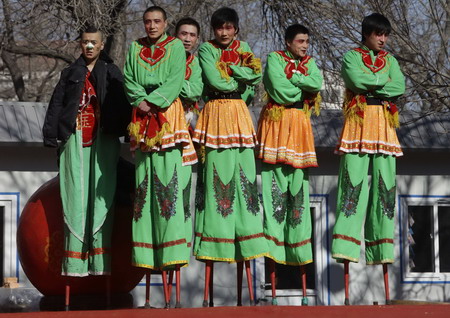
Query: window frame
x=10, y=201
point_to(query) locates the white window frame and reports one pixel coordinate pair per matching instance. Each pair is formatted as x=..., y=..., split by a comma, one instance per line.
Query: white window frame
x=434, y=201
x=10, y=201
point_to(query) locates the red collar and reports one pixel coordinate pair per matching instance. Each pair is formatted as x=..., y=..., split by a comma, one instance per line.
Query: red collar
x=230, y=54
x=189, y=60
x=380, y=61
x=158, y=52
x=290, y=67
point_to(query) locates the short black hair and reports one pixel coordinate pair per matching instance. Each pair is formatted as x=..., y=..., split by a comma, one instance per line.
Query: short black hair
x=225, y=15
x=188, y=21
x=91, y=29
x=292, y=31
x=155, y=8
x=376, y=22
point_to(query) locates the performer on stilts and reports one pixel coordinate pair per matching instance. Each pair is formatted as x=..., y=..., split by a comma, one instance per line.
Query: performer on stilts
x=292, y=81
x=188, y=30
x=228, y=226
x=88, y=113
x=373, y=82
x=154, y=75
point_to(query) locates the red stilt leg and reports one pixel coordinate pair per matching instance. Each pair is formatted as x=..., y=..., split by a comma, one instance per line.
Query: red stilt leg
x=166, y=289
x=240, y=272
x=211, y=287
x=273, y=282
x=346, y=281
x=304, y=299
x=147, y=288
x=208, y=266
x=178, y=286
x=249, y=283
x=108, y=292
x=169, y=284
x=386, y=283
x=67, y=298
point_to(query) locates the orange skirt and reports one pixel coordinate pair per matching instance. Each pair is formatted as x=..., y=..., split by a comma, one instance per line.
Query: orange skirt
x=288, y=140
x=374, y=136
x=178, y=135
x=225, y=123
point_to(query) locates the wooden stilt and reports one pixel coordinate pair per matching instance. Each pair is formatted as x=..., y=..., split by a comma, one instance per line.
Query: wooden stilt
x=147, y=288
x=67, y=298
x=211, y=287
x=346, y=282
x=178, y=286
x=273, y=282
x=249, y=283
x=169, y=284
x=166, y=289
x=386, y=283
x=208, y=265
x=305, y=298
x=240, y=273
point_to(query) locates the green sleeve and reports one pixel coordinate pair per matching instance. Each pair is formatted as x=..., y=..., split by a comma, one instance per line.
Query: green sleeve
x=311, y=83
x=172, y=82
x=133, y=89
x=193, y=87
x=396, y=83
x=245, y=74
x=210, y=73
x=279, y=88
x=358, y=78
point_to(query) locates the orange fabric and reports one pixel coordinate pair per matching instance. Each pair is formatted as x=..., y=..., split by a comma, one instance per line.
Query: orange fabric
x=288, y=140
x=178, y=134
x=225, y=123
x=374, y=136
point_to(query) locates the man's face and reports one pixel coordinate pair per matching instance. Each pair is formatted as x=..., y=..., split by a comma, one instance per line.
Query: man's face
x=225, y=34
x=188, y=34
x=91, y=45
x=155, y=25
x=299, y=45
x=376, y=42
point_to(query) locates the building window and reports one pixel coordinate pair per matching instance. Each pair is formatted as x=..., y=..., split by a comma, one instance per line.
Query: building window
x=426, y=238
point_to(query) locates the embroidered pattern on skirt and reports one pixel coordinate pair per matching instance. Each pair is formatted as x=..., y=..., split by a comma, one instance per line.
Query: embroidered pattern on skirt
x=296, y=208
x=187, y=201
x=224, y=194
x=167, y=195
x=200, y=194
x=250, y=193
x=139, y=199
x=278, y=202
x=387, y=198
x=350, y=195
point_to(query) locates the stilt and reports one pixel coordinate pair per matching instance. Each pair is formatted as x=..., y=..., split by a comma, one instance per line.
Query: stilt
x=304, y=299
x=386, y=283
x=67, y=298
x=147, y=289
x=273, y=282
x=346, y=281
x=178, y=287
x=108, y=292
x=169, y=284
x=211, y=287
x=249, y=282
x=240, y=273
x=208, y=266
x=166, y=289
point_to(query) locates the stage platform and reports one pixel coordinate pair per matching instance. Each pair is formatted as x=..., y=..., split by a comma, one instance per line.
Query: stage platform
x=375, y=311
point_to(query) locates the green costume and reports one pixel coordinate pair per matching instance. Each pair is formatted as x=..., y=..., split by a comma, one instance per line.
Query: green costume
x=373, y=81
x=287, y=151
x=228, y=224
x=155, y=73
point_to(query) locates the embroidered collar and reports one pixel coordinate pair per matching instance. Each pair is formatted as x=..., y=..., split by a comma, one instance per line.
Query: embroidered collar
x=291, y=68
x=230, y=54
x=380, y=61
x=189, y=60
x=153, y=53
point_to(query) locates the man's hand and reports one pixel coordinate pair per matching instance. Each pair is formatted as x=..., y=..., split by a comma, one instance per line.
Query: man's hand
x=144, y=107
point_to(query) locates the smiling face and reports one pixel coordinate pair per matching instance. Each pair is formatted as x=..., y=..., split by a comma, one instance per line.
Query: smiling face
x=376, y=41
x=225, y=34
x=299, y=45
x=188, y=34
x=155, y=25
x=91, y=46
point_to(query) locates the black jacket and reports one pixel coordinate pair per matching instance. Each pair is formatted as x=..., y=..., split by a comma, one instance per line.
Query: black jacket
x=115, y=111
